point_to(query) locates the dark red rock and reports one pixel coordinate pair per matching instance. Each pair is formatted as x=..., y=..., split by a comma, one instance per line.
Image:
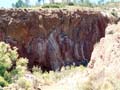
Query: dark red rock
x=55, y=38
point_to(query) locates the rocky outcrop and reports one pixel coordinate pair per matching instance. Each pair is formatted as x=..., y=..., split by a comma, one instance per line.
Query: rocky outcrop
x=53, y=38
x=107, y=51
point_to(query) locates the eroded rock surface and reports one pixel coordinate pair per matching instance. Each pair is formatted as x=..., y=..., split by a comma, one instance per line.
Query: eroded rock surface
x=107, y=51
x=53, y=38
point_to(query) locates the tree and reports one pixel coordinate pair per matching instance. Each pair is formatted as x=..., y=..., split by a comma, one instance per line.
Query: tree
x=39, y=1
x=19, y=4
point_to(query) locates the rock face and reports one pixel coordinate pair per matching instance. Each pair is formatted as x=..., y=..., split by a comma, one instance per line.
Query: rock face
x=53, y=38
x=107, y=52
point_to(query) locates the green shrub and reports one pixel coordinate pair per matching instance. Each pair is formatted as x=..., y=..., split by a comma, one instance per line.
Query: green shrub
x=9, y=63
x=8, y=76
x=37, y=69
x=71, y=4
x=54, y=5
x=24, y=83
x=3, y=82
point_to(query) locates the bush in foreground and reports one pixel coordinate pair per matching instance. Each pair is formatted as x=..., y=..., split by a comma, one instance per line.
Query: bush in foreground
x=11, y=66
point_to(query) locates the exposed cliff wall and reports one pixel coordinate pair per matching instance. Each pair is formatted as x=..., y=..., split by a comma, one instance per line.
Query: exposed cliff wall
x=53, y=38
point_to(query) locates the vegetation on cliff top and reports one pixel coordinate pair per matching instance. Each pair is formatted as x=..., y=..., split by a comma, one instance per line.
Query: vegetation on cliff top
x=62, y=4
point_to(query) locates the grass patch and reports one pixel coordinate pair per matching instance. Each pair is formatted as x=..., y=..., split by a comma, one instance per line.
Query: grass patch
x=53, y=77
